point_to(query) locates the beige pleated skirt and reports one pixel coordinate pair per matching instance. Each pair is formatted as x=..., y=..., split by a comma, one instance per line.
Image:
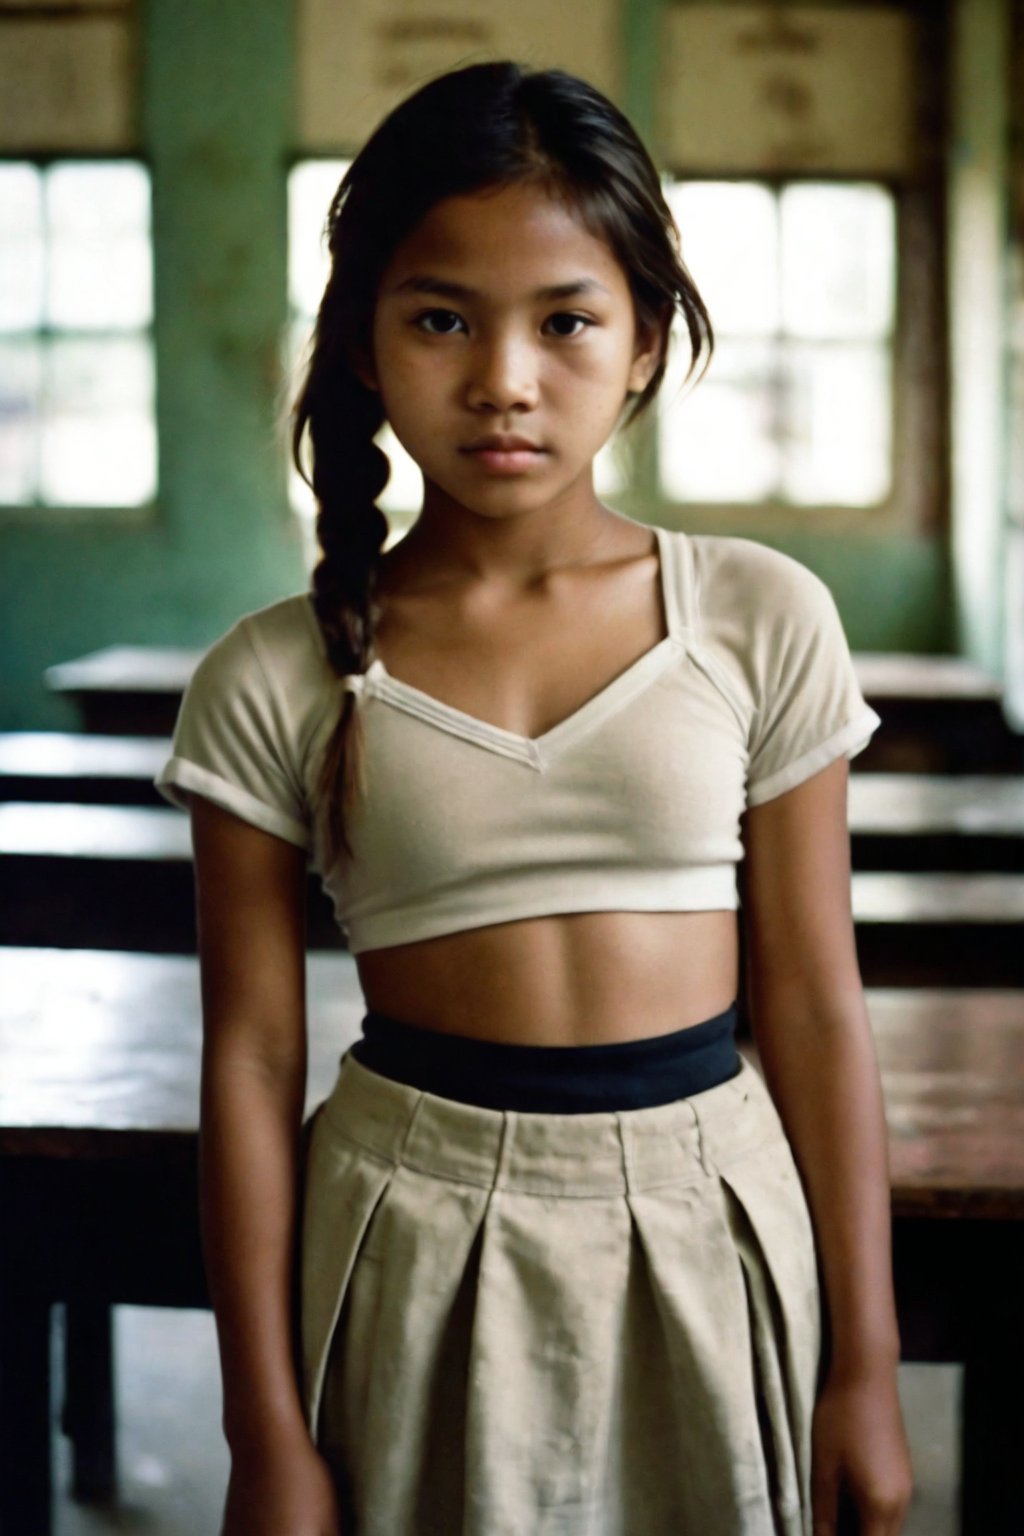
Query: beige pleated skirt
x=521, y=1324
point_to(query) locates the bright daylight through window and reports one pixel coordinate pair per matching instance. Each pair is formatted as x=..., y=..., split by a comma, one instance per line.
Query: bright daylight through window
x=77, y=424
x=797, y=404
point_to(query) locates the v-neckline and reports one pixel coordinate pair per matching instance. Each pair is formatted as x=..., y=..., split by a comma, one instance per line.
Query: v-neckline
x=538, y=750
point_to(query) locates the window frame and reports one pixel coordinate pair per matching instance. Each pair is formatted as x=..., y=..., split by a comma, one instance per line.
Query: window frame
x=918, y=501
x=39, y=511
x=918, y=492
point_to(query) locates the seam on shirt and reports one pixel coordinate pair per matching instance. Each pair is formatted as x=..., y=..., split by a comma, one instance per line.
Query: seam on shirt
x=689, y=588
x=719, y=677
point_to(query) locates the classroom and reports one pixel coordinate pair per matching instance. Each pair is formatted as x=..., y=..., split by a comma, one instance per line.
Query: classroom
x=847, y=179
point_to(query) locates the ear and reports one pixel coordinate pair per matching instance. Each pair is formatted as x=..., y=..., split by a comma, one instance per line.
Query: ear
x=651, y=343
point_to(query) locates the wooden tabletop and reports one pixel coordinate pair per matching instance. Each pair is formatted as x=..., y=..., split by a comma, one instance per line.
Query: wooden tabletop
x=913, y=675
x=101, y=1048
x=911, y=804
x=101, y=1056
x=65, y=754
x=46, y=830
x=126, y=669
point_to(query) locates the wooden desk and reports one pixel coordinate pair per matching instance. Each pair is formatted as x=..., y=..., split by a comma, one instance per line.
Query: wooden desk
x=71, y=767
x=939, y=822
x=940, y=714
x=111, y=877
x=126, y=690
x=98, y=1115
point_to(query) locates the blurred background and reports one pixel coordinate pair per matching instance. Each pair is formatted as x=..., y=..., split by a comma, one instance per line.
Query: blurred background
x=849, y=183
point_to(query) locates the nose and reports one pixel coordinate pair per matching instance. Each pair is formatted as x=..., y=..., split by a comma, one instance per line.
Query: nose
x=503, y=373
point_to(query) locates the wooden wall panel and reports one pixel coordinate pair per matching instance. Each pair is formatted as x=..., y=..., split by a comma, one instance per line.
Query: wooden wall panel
x=358, y=60
x=68, y=83
x=748, y=89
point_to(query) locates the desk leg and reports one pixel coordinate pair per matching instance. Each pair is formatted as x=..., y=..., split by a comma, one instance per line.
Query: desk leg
x=993, y=1414
x=88, y=1413
x=26, y=1476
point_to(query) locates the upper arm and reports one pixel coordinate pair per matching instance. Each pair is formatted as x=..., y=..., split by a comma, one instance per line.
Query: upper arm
x=801, y=951
x=250, y=905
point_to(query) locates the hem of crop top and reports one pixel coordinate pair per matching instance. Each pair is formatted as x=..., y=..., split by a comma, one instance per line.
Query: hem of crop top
x=709, y=888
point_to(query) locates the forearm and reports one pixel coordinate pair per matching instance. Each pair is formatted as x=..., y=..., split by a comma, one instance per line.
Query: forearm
x=822, y=1072
x=249, y=1139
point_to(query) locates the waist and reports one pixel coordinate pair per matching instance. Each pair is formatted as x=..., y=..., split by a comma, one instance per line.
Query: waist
x=574, y=1079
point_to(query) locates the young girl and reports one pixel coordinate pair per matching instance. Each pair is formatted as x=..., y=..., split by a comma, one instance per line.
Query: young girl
x=554, y=1247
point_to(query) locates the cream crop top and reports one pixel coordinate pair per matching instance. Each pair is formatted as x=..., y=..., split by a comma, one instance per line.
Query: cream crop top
x=633, y=803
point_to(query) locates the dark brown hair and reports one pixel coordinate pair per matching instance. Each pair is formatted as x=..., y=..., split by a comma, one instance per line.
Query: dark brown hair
x=480, y=127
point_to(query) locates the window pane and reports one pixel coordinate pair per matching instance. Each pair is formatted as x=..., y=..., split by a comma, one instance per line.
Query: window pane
x=838, y=261
x=99, y=441
x=719, y=441
x=21, y=248
x=839, y=410
x=730, y=245
x=99, y=228
x=311, y=187
x=20, y=386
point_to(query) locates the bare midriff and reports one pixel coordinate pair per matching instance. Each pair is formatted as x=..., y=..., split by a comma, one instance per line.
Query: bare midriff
x=583, y=978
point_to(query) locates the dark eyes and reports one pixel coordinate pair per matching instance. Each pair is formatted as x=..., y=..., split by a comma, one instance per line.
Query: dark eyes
x=449, y=314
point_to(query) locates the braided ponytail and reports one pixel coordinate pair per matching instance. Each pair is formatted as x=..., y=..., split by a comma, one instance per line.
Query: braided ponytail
x=349, y=473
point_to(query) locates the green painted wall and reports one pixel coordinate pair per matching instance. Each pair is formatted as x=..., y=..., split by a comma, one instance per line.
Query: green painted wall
x=217, y=97
x=216, y=128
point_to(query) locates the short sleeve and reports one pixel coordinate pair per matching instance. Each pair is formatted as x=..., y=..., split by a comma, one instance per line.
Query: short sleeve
x=810, y=709
x=231, y=742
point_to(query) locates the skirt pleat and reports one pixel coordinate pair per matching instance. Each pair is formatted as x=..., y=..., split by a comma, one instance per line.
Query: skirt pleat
x=544, y=1325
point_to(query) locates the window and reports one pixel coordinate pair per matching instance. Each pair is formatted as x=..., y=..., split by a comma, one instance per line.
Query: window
x=797, y=404
x=311, y=185
x=77, y=425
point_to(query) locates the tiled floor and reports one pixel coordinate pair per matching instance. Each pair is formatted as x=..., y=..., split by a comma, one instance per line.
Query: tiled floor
x=173, y=1463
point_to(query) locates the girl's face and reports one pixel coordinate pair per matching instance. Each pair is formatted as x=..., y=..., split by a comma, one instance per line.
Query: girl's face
x=470, y=340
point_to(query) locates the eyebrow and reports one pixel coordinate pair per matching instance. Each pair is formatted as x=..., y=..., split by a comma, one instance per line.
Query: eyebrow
x=439, y=286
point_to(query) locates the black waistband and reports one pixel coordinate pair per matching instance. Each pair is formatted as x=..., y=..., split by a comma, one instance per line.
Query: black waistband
x=553, y=1079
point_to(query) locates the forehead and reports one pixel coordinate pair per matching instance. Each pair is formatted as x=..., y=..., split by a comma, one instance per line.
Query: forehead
x=501, y=242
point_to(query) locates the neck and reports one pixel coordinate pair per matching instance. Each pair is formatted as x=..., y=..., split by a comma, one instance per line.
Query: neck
x=449, y=539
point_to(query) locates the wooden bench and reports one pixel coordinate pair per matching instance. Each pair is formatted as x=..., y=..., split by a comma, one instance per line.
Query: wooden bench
x=98, y=1117
x=73, y=768
x=941, y=714
x=110, y=877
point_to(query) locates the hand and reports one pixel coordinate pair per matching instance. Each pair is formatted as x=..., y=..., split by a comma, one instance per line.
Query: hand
x=859, y=1454
x=285, y=1489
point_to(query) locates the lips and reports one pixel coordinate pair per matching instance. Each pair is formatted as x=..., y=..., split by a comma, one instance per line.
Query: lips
x=498, y=443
